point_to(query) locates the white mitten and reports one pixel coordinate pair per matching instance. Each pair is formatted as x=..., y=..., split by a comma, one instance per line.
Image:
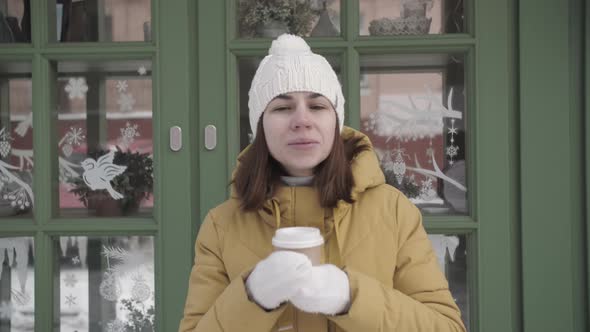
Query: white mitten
x=277, y=277
x=326, y=292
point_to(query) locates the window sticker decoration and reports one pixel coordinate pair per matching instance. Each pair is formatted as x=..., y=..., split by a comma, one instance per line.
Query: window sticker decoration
x=402, y=123
x=443, y=245
x=128, y=134
x=99, y=173
x=126, y=102
x=122, y=86
x=76, y=88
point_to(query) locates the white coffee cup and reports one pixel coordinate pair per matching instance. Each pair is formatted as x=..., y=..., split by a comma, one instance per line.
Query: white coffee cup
x=305, y=240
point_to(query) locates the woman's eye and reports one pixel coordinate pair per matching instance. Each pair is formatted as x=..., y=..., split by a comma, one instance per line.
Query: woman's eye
x=317, y=107
x=281, y=108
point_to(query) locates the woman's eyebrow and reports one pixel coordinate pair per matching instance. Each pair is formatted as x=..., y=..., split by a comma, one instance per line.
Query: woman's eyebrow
x=283, y=96
x=314, y=95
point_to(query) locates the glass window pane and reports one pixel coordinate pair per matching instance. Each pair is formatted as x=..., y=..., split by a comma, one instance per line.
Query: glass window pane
x=270, y=18
x=105, y=283
x=104, y=114
x=17, y=284
x=451, y=252
x=15, y=21
x=246, y=69
x=16, y=140
x=413, y=109
x=410, y=17
x=103, y=20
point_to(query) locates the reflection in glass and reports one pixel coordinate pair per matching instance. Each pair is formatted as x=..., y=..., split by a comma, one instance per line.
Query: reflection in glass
x=270, y=18
x=104, y=113
x=16, y=140
x=17, y=284
x=413, y=109
x=105, y=283
x=451, y=253
x=15, y=21
x=103, y=21
x=410, y=17
x=246, y=69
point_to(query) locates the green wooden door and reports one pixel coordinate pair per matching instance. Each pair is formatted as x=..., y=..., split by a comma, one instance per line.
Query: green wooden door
x=92, y=240
x=467, y=57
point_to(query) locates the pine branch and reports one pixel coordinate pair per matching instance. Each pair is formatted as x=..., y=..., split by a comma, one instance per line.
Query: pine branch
x=114, y=253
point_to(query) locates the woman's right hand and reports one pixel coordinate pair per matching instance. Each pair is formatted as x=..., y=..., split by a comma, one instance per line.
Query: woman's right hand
x=277, y=277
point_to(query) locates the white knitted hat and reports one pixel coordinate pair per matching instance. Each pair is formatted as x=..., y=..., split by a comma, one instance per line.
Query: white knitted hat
x=291, y=66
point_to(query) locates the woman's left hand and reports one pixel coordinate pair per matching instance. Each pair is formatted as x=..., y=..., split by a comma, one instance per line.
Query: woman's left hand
x=326, y=291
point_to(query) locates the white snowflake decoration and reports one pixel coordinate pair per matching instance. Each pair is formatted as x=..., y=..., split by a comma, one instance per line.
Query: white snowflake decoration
x=427, y=191
x=76, y=260
x=142, y=70
x=126, y=102
x=122, y=86
x=128, y=134
x=115, y=326
x=76, y=88
x=75, y=136
x=71, y=300
x=6, y=310
x=452, y=150
x=70, y=280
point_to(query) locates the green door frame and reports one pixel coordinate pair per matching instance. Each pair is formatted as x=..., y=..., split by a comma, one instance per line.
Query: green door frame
x=175, y=203
x=493, y=226
x=552, y=154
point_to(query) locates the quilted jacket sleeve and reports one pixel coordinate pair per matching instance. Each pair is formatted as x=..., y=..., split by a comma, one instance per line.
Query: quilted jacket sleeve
x=215, y=303
x=419, y=299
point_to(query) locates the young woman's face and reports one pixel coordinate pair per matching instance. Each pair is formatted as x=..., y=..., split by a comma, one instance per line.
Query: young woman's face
x=299, y=130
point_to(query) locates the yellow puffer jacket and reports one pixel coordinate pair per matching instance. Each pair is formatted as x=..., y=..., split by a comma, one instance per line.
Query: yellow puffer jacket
x=379, y=241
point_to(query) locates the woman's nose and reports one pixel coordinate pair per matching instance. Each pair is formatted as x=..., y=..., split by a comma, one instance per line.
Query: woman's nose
x=301, y=118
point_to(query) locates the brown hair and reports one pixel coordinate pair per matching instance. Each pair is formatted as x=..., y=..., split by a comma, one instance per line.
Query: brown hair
x=258, y=171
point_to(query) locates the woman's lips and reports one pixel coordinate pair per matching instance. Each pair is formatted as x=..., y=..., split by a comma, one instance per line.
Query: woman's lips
x=303, y=145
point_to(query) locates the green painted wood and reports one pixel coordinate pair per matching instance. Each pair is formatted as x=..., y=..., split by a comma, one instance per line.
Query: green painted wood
x=351, y=88
x=576, y=90
x=586, y=95
x=551, y=211
x=493, y=138
x=415, y=44
x=213, y=108
x=175, y=168
x=68, y=51
x=42, y=187
x=349, y=20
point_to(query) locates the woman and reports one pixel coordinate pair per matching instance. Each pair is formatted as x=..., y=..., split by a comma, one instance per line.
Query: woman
x=305, y=169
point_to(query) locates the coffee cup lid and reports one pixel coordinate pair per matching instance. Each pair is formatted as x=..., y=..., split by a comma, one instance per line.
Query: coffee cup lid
x=297, y=238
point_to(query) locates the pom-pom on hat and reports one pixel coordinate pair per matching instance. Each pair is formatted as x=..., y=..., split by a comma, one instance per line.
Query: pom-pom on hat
x=291, y=66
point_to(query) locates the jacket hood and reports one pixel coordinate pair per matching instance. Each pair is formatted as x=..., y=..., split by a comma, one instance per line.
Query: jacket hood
x=365, y=167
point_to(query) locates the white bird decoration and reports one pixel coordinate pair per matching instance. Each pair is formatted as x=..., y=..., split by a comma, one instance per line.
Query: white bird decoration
x=99, y=173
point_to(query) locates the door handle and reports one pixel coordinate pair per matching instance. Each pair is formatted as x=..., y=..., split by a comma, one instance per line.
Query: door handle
x=175, y=138
x=210, y=137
